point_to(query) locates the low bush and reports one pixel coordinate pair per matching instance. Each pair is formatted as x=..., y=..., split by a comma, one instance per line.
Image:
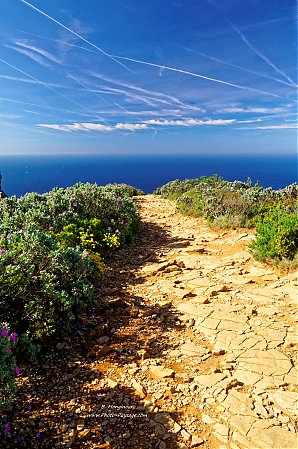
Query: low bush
x=276, y=234
x=235, y=204
x=8, y=368
x=51, y=247
x=42, y=287
x=173, y=189
x=124, y=190
x=8, y=371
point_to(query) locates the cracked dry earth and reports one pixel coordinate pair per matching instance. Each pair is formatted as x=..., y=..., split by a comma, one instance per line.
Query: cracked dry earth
x=192, y=344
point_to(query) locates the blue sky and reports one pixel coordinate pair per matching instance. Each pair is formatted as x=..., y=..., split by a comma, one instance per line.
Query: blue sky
x=171, y=76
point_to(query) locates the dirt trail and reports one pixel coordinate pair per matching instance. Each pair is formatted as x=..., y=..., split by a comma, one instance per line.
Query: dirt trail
x=192, y=344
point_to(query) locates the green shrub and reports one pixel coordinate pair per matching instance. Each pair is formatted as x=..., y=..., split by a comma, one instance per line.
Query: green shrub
x=8, y=368
x=56, y=209
x=50, y=247
x=42, y=287
x=124, y=190
x=224, y=203
x=276, y=235
x=173, y=189
x=88, y=235
x=235, y=204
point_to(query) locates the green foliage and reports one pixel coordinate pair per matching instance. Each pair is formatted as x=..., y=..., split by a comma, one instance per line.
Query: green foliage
x=241, y=204
x=87, y=234
x=173, y=189
x=51, y=247
x=277, y=234
x=42, y=287
x=124, y=190
x=7, y=365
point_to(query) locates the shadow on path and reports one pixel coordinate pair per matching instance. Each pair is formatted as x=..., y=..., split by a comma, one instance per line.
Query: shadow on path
x=84, y=394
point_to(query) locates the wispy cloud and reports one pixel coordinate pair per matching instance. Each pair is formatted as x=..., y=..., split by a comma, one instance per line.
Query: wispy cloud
x=42, y=83
x=294, y=126
x=63, y=42
x=131, y=126
x=11, y=100
x=257, y=110
x=190, y=122
x=24, y=43
x=258, y=52
x=77, y=127
x=10, y=116
x=263, y=75
x=100, y=50
x=130, y=95
x=186, y=72
x=35, y=57
x=84, y=85
x=267, y=22
x=136, y=126
x=148, y=94
x=197, y=75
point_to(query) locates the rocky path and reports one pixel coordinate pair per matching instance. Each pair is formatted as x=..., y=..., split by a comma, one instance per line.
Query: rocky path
x=192, y=344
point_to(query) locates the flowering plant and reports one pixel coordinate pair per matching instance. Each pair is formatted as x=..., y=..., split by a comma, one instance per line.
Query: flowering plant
x=45, y=273
x=8, y=368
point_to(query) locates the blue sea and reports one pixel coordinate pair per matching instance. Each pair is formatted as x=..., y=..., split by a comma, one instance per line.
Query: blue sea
x=40, y=174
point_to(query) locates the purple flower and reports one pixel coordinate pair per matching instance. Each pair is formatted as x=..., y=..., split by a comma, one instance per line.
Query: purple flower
x=9, y=349
x=3, y=251
x=4, y=332
x=29, y=407
x=38, y=434
x=13, y=337
x=22, y=438
x=75, y=204
x=6, y=428
x=9, y=235
x=17, y=370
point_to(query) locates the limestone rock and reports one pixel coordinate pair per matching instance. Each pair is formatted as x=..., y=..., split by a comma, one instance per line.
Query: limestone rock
x=192, y=350
x=196, y=441
x=160, y=372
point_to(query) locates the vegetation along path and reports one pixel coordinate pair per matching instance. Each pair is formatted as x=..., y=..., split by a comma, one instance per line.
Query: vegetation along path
x=191, y=345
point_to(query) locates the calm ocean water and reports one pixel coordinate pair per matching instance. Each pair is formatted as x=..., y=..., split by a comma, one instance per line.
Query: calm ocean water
x=23, y=174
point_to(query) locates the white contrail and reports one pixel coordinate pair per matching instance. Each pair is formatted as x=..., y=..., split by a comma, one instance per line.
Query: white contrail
x=50, y=88
x=42, y=113
x=149, y=126
x=212, y=58
x=168, y=68
x=85, y=85
x=43, y=106
x=258, y=53
x=58, y=41
x=40, y=51
x=73, y=32
x=89, y=90
x=186, y=72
